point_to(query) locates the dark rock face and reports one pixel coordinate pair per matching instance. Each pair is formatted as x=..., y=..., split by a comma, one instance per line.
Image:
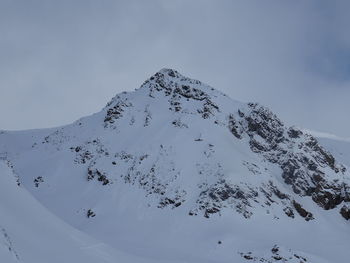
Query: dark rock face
x=302, y=212
x=169, y=202
x=90, y=213
x=234, y=128
x=345, y=212
x=219, y=195
x=101, y=177
x=277, y=255
x=289, y=212
x=264, y=123
x=116, y=112
x=38, y=180
x=294, y=133
x=302, y=160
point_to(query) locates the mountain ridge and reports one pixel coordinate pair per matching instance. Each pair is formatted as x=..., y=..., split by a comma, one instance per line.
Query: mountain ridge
x=178, y=148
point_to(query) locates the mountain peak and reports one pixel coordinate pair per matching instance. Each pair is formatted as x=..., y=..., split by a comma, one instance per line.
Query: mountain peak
x=177, y=148
x=169, y=72
x=170, y=82
x=168, y=76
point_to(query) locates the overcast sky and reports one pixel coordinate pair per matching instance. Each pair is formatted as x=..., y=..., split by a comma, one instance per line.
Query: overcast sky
x=61, y=60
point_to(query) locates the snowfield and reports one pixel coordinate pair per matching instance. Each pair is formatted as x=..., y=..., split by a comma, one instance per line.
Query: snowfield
x=174, y=171
x=30, y=233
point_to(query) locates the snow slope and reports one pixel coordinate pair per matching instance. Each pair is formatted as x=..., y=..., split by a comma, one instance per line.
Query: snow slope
x=30, y=233
x=178, y=171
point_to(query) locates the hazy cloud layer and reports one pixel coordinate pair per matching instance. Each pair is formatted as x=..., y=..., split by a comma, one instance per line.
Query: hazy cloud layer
x=61, y=60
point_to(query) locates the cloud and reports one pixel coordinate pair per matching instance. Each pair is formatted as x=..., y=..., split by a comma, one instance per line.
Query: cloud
x=65, y=59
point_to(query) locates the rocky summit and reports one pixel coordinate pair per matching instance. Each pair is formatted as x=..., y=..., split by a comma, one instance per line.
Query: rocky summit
x=177, y=171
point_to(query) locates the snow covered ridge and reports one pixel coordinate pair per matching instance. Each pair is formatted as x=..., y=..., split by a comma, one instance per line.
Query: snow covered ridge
x=177, y=151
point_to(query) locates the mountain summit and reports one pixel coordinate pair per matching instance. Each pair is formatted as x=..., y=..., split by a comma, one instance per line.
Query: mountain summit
x=178, y=171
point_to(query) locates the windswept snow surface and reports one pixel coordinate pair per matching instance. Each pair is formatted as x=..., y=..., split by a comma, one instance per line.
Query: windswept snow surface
x=175, y=171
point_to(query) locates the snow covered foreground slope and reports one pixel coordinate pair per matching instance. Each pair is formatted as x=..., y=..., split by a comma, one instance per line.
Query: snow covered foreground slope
x=30, y=233
x=177, y=171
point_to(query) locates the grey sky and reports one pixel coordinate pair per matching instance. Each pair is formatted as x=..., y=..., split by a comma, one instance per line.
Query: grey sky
x=61, y=60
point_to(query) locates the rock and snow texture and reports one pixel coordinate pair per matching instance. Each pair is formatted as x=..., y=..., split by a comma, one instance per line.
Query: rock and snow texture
x=178, y=171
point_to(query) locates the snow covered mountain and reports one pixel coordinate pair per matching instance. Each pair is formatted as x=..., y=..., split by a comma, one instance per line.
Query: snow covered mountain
x=176, y=171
